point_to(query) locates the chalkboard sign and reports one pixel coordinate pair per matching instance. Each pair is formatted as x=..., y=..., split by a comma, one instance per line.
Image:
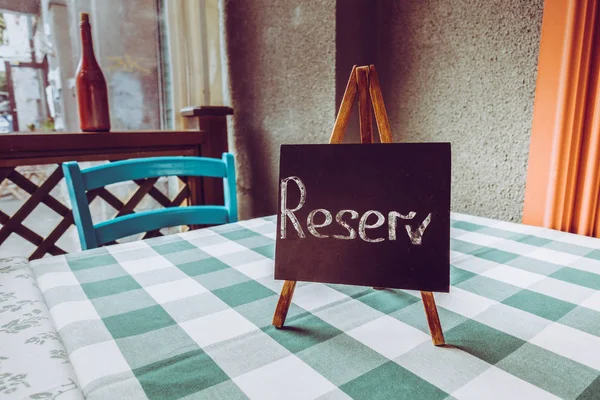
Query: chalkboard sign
x=369, y=215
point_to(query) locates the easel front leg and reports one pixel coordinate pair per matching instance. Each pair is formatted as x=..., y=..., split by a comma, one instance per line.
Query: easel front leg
x=283, y=305
x=433, y=319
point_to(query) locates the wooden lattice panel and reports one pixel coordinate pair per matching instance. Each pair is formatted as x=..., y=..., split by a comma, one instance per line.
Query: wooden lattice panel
x=38, y=186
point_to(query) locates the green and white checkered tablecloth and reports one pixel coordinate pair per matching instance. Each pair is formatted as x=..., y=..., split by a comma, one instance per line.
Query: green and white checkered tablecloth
x=189, y=316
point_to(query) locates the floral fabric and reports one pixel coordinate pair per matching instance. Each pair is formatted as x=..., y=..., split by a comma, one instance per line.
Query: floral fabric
x=33, y=361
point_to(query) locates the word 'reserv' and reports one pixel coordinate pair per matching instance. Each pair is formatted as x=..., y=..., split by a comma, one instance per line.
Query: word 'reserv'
x=415, y=235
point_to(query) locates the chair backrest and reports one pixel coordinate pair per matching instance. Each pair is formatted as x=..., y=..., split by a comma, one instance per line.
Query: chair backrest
x=80, y=181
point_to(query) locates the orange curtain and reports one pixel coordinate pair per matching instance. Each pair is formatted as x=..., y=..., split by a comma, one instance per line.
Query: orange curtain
x=563, y=176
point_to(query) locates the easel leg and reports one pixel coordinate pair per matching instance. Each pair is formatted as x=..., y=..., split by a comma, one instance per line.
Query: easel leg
x=365, y=117
x=283, y=305
x=433, y=319
x=341, y=121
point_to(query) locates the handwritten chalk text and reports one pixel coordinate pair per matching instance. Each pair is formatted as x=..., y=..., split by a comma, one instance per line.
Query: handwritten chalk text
x=415, y=235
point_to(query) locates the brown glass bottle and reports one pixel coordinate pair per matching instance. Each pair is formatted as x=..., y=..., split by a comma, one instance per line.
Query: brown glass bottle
x=92, y=94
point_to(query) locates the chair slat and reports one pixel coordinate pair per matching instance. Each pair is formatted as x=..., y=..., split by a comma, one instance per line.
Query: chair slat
x=146, y=221
x=229, y=184
x=152, y=167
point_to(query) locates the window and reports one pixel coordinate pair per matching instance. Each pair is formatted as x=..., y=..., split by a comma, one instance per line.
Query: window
x=39, y=55
x=40, y=50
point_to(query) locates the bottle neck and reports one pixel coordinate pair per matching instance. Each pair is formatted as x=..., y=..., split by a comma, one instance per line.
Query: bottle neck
x=88, y=58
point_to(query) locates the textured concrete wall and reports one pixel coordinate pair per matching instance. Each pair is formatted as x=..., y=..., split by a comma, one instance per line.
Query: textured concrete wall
x=464, y=72
x=458, y=71
x=356, y=38
x=281, y=62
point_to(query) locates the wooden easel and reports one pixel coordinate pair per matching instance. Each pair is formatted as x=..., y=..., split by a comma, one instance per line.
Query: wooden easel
x=365, y=81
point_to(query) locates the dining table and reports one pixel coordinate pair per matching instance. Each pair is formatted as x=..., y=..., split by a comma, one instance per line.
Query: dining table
x=189, y=316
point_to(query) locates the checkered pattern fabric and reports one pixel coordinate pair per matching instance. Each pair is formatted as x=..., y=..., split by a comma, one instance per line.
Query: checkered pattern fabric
x=189, y=316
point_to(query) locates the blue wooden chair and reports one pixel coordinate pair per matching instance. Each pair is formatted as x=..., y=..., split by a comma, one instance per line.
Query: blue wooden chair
x=92, y=236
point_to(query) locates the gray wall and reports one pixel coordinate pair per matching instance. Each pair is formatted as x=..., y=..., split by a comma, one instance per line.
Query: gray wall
x=464, y=72
x=281, y=62
x=458, y=71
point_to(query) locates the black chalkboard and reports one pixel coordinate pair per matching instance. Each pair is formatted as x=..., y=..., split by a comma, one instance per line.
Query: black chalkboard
x=393, y=188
